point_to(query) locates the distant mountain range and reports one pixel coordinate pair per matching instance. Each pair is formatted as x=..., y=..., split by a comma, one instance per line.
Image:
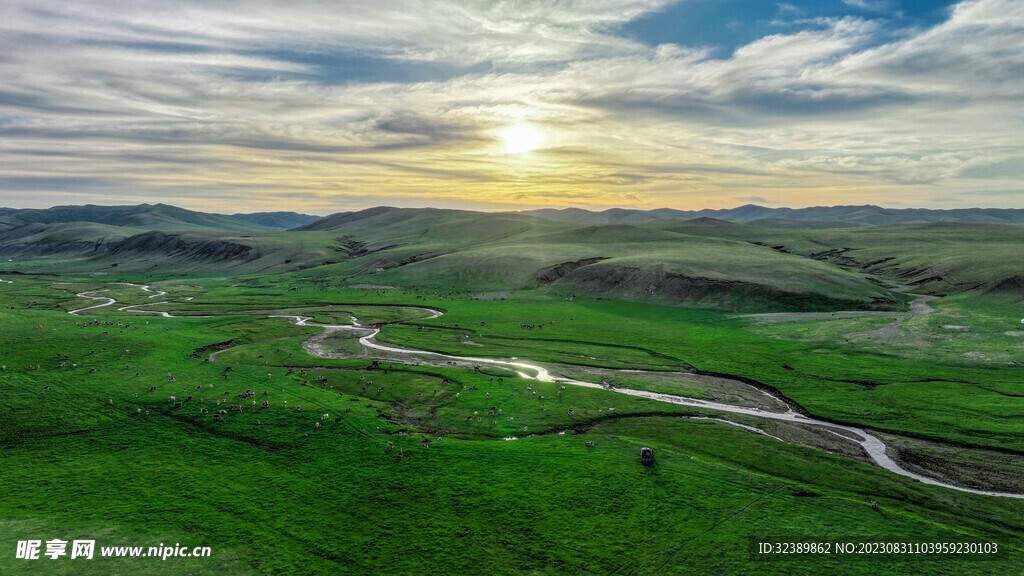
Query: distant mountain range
x=153, y=216
x=833, y=216
x=167, y=217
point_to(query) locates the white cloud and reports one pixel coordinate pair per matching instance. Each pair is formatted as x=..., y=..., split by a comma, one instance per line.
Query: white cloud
x=205, y=97
x=875, y=6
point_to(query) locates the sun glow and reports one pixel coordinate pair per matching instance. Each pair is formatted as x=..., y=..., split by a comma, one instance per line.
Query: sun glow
x=520, y=139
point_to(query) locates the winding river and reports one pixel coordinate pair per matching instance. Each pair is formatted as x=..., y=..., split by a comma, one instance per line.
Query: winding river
x=872, y=445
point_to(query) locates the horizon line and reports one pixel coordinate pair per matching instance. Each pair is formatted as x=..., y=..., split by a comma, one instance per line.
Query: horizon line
x=526, y=210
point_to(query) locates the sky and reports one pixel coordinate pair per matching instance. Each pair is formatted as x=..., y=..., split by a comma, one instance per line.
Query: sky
x=320, y=107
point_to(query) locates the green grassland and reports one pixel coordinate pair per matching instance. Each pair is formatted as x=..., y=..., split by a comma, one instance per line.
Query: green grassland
x=271, y=493
x=426, y=468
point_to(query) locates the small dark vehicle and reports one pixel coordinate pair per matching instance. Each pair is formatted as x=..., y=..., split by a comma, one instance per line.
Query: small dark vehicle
x=646, y=456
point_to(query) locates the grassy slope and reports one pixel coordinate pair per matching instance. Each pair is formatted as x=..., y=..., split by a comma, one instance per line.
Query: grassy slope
x=946, y=257
x=281, y=251
x=486, y=252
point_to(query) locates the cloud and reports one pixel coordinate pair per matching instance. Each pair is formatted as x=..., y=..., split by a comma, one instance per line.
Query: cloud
x=876, y=6
x=752, y=200
x=406, y=100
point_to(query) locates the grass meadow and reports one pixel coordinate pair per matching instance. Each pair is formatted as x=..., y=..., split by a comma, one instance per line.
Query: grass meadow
x=414, y=470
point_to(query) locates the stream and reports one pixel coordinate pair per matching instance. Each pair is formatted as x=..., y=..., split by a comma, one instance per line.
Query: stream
x=872, y=445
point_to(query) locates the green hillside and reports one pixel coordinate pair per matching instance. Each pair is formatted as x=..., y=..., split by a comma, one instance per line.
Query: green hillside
x=702, y=261
x=142, y=216
x=939, y=258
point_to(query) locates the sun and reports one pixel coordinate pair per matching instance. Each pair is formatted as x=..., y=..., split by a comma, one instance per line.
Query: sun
x=519, y=139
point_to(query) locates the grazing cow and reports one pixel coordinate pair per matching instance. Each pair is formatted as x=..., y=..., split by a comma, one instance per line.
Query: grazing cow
x=266, y=404
x=152, y=389
x=590, y=444
x=317, y=425
x=299, y=408
x=572, y=412
x=325, y=417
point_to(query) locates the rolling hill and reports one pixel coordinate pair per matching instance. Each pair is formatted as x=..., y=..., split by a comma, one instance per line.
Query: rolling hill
x=472, y=250
x=141, y=216
x=764, y=264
